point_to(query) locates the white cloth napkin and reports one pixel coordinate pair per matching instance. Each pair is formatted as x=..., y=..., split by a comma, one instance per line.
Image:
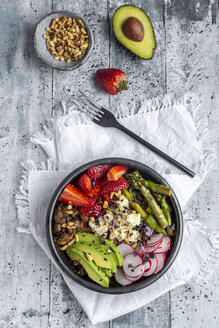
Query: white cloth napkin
x=70, y=140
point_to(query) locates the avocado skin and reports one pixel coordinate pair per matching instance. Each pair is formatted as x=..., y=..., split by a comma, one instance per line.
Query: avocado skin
x=91, y=238
x=94, y=273
x=125, y=43
x=99, y=254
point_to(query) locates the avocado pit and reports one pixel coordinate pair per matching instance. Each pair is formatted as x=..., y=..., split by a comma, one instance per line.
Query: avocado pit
x=133, y=29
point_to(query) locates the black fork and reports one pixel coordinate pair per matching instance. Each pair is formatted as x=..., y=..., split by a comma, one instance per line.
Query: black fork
x=105, y=118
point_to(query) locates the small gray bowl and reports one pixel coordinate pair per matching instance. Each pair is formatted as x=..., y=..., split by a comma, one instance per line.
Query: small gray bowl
x=40, y=42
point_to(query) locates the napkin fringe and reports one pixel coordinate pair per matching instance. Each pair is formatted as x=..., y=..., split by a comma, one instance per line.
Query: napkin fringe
x=21, y=196
x=211, y=263
x=188, y=99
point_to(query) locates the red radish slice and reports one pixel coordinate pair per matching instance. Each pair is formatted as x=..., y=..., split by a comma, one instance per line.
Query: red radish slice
x=164, y=246
x=140, y=249
x=125, y=249
x=151, y=249
x=154, y=239
x=149, y=232
x=133, y=266
x=147, y=266
x=155, y=244
x=160, y=260
x=153, y=268
x=134, y=278
x=121, y=278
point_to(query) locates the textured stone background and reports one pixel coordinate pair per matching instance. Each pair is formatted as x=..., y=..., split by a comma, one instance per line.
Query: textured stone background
x=33, y=293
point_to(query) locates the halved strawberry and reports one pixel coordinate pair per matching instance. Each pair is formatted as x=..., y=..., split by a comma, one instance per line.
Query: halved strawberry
x=94, y=210
x=116, y=172
x=107, y=197
x=93, y=194
x=103, y=181
x=113, y=186
x=84, y=183
x=97, y=172
x=71, y=195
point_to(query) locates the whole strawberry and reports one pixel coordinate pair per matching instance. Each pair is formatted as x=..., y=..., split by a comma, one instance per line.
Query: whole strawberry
x=111, y=80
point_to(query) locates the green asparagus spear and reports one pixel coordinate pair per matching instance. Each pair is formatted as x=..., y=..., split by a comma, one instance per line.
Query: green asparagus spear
x=134, y=205
x=153, y=223
x=152, y=185
x=165, y=209
x=149, y=210
x=154, y=206
x=151, y=201
x=149, y=219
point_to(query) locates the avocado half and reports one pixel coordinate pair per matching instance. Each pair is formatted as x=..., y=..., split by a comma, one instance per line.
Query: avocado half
x=132, y=27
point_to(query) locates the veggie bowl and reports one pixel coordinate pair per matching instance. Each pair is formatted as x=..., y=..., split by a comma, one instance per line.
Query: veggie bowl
x=114, y=226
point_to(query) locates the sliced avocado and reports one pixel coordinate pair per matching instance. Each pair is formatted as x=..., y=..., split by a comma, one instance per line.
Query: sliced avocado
x=88, y=238
x=118, y=255
x=95, y=273
x=92, y=238
x=99, y=254
x=132, y=27
x=108, y=272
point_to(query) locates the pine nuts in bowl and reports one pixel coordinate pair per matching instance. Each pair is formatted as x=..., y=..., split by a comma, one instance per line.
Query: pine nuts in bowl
x=63, y=40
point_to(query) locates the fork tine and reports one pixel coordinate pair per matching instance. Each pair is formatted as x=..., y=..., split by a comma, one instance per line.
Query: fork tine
x=94, y=111
x=85, y=111
x=93, y=103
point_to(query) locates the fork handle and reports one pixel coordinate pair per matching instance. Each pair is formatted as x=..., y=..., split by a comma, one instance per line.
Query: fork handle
x=156, y=150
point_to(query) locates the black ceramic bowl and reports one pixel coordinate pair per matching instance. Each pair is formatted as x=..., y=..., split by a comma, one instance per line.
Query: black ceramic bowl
x=65, y=263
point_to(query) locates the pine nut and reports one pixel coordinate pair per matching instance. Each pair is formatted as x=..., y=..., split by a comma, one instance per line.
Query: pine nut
x=105, y=204
x=89, y=257
x=68, y=212
x=71, y=242
x=63, y=35
x=64, y=248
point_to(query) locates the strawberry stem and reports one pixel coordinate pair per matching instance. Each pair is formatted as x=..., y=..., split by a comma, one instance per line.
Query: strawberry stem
x=123, y=85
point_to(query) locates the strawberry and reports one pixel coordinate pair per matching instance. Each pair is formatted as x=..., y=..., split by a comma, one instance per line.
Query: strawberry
x=116, y=172
x=107, y=197
x=84, y=183
x=114, y=186
x=97, y=172
x=103, y=181
x=111, y=80
x=71, y=195
x=93, y=194
x=94, y=210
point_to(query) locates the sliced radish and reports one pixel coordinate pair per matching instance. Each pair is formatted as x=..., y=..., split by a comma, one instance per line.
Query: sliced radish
x=152, y=269
x=147, y=266
x=149, y=232
x=140, y=249
x=121, y=278
x=164, y=246
x=133, y=265
x=160, y=260
x=154, y=240
x=125, y=249
x=134, y=278
x=151, y=249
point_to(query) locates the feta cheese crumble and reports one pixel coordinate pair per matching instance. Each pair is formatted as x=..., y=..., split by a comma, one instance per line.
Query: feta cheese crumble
x=119, y=223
